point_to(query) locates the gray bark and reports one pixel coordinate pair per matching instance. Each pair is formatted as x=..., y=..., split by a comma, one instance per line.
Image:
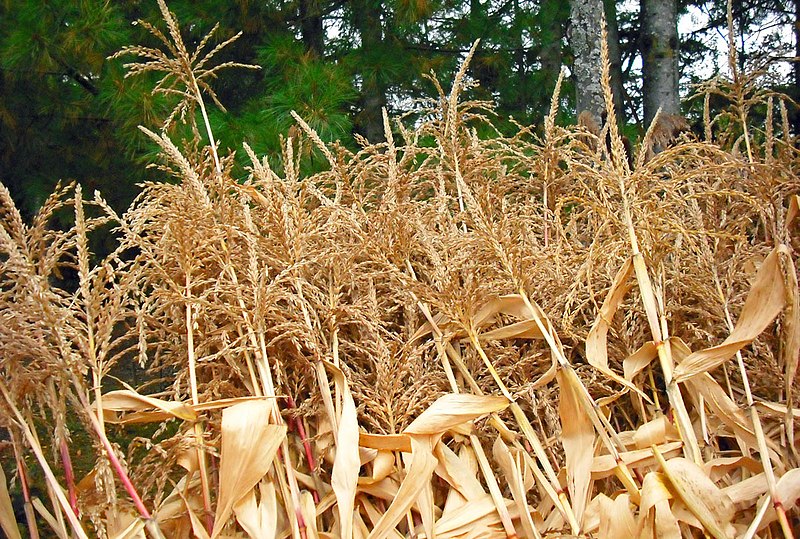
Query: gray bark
x=660, y=57
x=796, y=120
x=615, y=59
x=586, y=30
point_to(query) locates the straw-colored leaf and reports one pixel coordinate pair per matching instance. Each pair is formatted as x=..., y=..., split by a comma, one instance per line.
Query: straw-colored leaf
x=383, y=465
x=7, y=520
x=126, y=400
x=249, y=444
x=765, y=301
x=481, y=510
x=346, y=466
x=724, y=408
x=787, y=489
x=793, y=211
x=513, y=475
x=259, y=518
x=452, y=410
x=708, y=503
x=616, y=517
x=654, y=432
x=309, y=514
x=747, y=491
x=605, y=465
x=656, y=518
x=790, y=337
x=527, y=329
x=460, y=473
x=639, y=360
x=385, y=442
x=421, y=466
x=597, y=340
x=577, y=437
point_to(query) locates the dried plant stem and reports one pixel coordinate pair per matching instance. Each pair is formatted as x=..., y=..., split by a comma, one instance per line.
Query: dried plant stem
x=494, y=489
x=30, y=517
x=294, y=490
x=438, y=336
x=758, y=430
x=197, y=427
x=529, y=432
x=48, y=472
x=150, y=523
x=211, y=142
x=600, y=422
x=322, y=374
x=309, y=453
x=684, y=422
x=69, y=476
x=763, y=506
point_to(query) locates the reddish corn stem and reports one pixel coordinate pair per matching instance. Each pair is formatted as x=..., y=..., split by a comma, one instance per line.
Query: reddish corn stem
x=301, y=431
x=69, y=476
x=122, y=475
x=33, y=530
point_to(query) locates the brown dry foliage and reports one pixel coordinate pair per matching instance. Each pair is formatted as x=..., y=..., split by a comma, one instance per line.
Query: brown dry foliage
x=455, y=339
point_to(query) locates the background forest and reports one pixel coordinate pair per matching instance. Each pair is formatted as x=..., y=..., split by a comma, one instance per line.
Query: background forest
x=67, y=113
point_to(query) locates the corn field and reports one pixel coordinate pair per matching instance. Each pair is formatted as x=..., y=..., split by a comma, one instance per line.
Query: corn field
x=443, y=335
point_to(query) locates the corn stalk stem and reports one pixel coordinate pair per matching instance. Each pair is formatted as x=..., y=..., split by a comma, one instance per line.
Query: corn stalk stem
x=30, y=517
x=48, y=472
x=197, y=427
x=684, y=423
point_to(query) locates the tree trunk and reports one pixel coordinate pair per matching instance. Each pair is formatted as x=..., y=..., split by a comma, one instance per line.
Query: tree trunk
x=551, y=36
x=660, y=57
x=587, y=23
x=796, y=93
x=311, y=28
x=367, y=20
x=615, y=59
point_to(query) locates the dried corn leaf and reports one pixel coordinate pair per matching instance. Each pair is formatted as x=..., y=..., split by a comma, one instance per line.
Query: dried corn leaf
x=452, y=410
x=597, y=340
x=511, y=305
x=460, y=473
x=787, y=490
x=792, y=212
x=722, y=406
x=309, y=511
x=385, y=442
x=616, y=517
x=478, y=511
x=514, y=478
x=7, y=520
x=790, y=338
x=639, y=360
x=346, y=465
x=577, y=438
x=656, y=431
x=421, y=466
x=249, y=444
x=764, y=302
x=605, y=465
x=383, y=465
x=527, y=329
x=747, y=491
x=656, y=518
x=708, y=503
x=126, y=400
x=259, y=518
